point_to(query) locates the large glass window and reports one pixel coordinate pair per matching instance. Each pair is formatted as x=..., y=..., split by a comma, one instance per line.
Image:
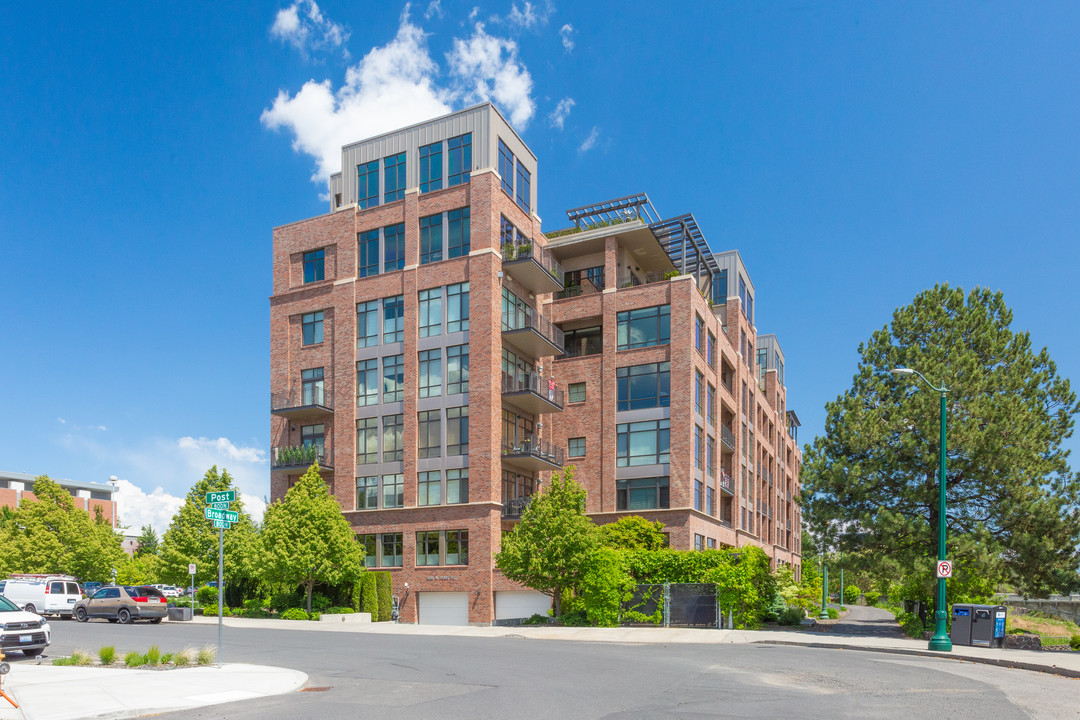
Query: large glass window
x=699, y=334
x=641, y=493
x=644, y=327
x=711, y=354
x=699, y=449
x=394, y=319
x=506, y=168
x=524, y=187
x=429, y=430
x=710, y=456
x=584, y=341
x=367, y=497
x=457, y=369
x=457, y=307
x=430, y=367
x=710, y=404
x=457, y=431
x=431, y=312
x=314, y=265
x=311, y=387
x=393, y=378
x=427, y=548
x=699, y=393
x=575, y=447
x=642, y=443
x=393, y=491
x=367, y=382
x=367, y=185
x=431, y=167
x=459, y=159
x=393, y=549
x=457, y=486
x=458, y=233
x=367, y=542
x=431, y=239
x=762, y=366
x=515, y=311
x=312, y=326
x=367, y=440
x=314, y=436
x=393, y=247
x=643, y=386
x=429, y=488
x=394, y=177
x=393, y=446
x=699, y=499
x=367, y=324
x=719, y=288
x=368, y=264
x=457, y=547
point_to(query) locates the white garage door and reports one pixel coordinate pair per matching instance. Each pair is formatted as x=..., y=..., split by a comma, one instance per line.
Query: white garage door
x=513, y=604
x=444, y=608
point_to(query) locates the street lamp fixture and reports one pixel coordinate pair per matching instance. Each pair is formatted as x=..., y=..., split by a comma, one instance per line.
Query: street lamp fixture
x=940, y=641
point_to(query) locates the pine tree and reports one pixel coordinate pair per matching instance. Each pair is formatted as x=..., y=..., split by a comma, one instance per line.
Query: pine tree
x=148, y=542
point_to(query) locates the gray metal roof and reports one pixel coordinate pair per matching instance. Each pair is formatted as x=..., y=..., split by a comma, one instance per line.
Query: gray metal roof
x=66, y=484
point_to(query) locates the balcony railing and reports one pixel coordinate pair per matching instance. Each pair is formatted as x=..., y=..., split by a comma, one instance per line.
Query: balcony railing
x=532, y=393
x=300, y=456
x=306, y=401
x=726, y=483
x=648, y=278
x=532, y=453
x=514, y=507
x=587, y=287
x=533, y=266
x=532, y=333
x=727, y=437
x=583, y=346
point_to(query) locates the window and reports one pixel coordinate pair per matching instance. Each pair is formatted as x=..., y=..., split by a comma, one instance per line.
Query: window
x=367, y=382
x=524, y=182
x=314, y=266
x=710, y=543
x=507, y=232
x=431, y=167
x=369, y=253
x=448, y=547
x=699, y=541
x=429, y=488
x=457, y=547
x=394, y=319
x=583, y=341
x=312, y=325
x=711, y=354
x=641, y=493
x=394, y=247
x=367, y=494
x=427, y=548
x=394, y=177
x=314, y=436
x=642, y=443
x=457, y=431
x=367, y=189
x=430, y=373
x=311, y=387
x=457, y=486
x=779, y=370
x=430, y=239
x=719, y=288
x=457, y=369
x=644, y=327
x=699, y=334
x=431, y=312
x=393, y=550
x=576, y=447
x=367, y=324
x=699, y=448
x=393, y=378
x=393, y=491
x=710, y=404
x=506, y=168
x=457, y=307
x=699, y=495
x=762, y=363
x=429, y=432
x=643, y=386
x=516, y=313
x=459, y=159
x=576, y=392
x=367, y=441
x=699, y=393
x=367, y=542
x=393, y=446
x=710, y=500
x=458, y=233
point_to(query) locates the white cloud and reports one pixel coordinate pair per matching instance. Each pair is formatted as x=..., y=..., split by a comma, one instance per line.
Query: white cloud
x=303, y=26
x=487, y=68
x=137, y=508
x=61, y=420
x=566, y=32
x=590, y=142
x=529, y=16
x=557, y=118
x=434, y=9
x=474, y=12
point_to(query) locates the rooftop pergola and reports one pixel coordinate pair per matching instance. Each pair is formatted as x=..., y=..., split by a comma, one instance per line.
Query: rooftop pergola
x=614, y=211
x=685, y=244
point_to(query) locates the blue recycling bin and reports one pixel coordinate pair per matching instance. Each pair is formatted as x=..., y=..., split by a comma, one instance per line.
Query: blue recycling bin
x=978, y=625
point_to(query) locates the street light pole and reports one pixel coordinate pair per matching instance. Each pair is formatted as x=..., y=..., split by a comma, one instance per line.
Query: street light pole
x=940, y=641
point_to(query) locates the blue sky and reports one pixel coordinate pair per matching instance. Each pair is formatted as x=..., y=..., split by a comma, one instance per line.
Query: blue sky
x=855, y=153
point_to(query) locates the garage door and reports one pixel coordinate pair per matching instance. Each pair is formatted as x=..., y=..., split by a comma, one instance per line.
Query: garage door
x=444, y=608
x=513, y=604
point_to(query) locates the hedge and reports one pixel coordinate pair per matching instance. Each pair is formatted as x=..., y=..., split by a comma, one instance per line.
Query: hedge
x=385, y=592
x=369, y=598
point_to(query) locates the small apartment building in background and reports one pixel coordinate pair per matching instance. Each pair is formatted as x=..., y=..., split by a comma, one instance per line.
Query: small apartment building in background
x=15, y=487
x=440, y=357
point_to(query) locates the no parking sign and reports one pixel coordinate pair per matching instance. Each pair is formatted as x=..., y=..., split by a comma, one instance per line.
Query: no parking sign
x=944, y=568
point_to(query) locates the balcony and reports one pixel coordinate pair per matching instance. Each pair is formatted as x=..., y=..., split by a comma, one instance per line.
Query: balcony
x=532, y=454
x=727, y=438
x=532, y=393
x=532, y=334
x=532, y=266
x=307, y=402
x=300, y=457
x=726, y=483
x=648, y=278
x=514, y=507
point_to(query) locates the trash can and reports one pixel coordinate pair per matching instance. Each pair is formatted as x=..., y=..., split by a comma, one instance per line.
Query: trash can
x=960, y=632
x=179, y=613
x=988, y=625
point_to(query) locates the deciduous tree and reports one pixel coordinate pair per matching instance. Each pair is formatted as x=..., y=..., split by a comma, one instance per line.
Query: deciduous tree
x=633, y=532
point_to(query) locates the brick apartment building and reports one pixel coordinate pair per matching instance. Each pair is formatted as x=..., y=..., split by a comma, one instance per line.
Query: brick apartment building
x=440, y=357
x=88, y=496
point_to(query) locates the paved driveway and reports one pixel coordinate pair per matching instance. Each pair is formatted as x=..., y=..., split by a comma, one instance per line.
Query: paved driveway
x=864, y=621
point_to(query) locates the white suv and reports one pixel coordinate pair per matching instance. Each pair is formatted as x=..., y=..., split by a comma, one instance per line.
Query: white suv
x=23, y=631
x=43, y=594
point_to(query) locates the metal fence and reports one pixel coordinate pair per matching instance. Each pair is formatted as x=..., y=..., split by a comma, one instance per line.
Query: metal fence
x=673, y=605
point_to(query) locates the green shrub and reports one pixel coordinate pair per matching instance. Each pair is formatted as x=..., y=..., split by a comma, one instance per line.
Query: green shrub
x=369, y=596
x=872, y=597
x=134, y=659
x=206, y=655
x=791, y=616
x=314, y=616
x=167, y=658
x=206, y=596
x=338, y=611
x=283, y=601
x=1074, y=642
x=772, y=611
x=384, y=590
x=851, y=594
x=253, y=608
x=320, y=602
x=834, y=614
x=605, y=585
x=574, y=618
x=294, y=614
x=536, y=619
x=64, y=660
x=356, y=593
x=153, y=655
x=106, y=654
x=185, y=657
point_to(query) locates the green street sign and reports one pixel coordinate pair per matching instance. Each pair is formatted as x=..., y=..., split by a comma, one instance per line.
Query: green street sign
x=227, y=515
x=222, y=524
x=222, y=496
x=219, y=505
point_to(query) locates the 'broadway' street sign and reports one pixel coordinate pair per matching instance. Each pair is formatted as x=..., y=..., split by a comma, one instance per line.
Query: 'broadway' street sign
x=228, y=515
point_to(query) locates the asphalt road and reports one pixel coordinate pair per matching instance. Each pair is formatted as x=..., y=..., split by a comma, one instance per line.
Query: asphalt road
x=416, y=677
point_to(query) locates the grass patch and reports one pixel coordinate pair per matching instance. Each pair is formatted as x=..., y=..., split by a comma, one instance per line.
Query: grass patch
x=166, y=658
x=153, y=655
x=185, y=657
x=206, y=655
x=1040, y=624
x=107, y=654
x=134, y=659
x=82, y=658
x=64, y=661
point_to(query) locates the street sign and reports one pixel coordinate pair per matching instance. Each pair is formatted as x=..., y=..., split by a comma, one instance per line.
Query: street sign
x=944, y=568
x=222, y=496
x=191, y=569
x=229, y=515
x=222, y=524
x=219, y=505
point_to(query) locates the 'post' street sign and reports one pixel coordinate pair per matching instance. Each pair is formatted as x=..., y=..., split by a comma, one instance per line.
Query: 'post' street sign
x=222, y=496
x=222, y=524
x=228, y=515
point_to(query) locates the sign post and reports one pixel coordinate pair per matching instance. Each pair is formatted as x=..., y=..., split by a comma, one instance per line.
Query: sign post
x=217, y=511
x=191, y=572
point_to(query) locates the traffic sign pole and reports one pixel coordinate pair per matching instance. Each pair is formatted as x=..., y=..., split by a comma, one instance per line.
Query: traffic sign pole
x=220, y=589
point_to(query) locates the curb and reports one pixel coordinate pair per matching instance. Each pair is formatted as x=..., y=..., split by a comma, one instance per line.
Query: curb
x=1017, y=664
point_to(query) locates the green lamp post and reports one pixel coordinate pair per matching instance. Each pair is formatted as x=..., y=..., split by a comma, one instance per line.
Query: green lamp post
x=941, y=640
x=824, y=614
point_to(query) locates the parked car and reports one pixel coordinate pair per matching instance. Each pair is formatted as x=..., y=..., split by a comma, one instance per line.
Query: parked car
x=124, y=604
x=90, y=588
x=42, y=594
x=23, y=631
x=167, y=590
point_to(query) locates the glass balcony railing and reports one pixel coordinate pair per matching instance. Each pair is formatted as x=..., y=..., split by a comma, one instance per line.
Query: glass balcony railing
x=533, y=453
x=532, y=333
x=306, y=401
x=533, y=393
x=533, y=266
x=300, y=456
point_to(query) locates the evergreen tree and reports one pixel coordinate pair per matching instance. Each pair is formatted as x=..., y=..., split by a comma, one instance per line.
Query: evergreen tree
x=1012, y=498
x=148, y=542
